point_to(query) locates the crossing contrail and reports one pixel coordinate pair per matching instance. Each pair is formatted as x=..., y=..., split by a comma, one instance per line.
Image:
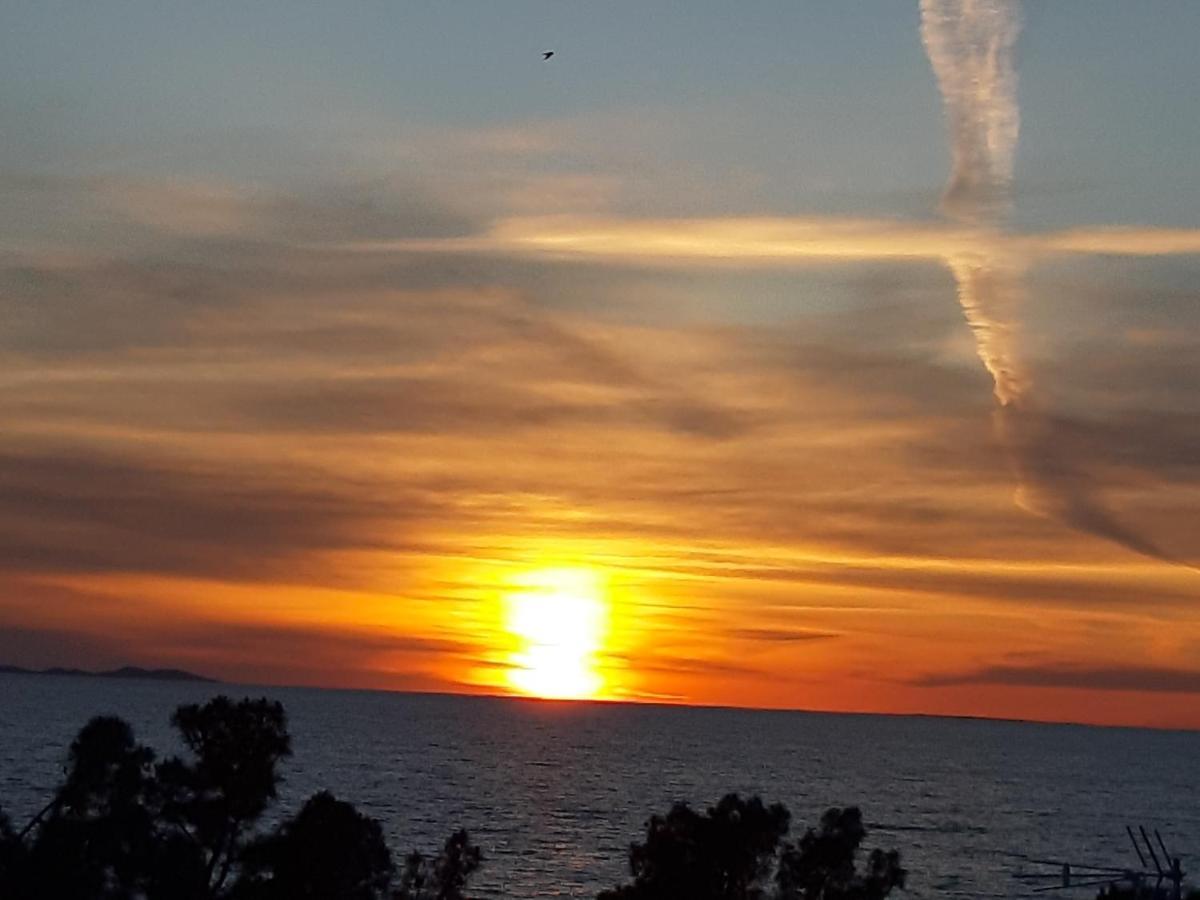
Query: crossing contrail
x=970, y=46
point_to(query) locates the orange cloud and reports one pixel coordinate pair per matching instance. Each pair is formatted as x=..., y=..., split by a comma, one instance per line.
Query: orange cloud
x=803, y=507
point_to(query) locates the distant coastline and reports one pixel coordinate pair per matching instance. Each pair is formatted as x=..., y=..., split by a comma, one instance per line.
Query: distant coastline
x=255, y=686
x=123, y=672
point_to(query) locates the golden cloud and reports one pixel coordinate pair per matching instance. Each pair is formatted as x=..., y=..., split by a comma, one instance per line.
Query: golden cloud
x=779, y=241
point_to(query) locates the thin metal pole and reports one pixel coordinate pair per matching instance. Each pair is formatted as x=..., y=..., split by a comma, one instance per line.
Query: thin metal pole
x=1150, y=847
x=1136, y=848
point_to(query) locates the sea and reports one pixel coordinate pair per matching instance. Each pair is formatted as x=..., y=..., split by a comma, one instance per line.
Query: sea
x=555, y=792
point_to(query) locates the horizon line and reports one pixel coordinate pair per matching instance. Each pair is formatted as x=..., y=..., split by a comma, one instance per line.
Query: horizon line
x=593, y=701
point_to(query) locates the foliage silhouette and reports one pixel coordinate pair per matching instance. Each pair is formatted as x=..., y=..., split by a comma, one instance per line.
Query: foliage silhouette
x=95, y=837
x=732, y=851
x=11, y=855
x=822, y=865
x=444, y=877
x=723, y=854
x=328, y=849
x=218, y=797
x=120, y=827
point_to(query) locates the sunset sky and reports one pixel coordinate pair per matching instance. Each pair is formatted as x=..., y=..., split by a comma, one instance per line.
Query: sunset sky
x=354, y=345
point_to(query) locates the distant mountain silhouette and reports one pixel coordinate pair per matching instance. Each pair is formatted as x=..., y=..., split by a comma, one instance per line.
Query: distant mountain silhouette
x=123, y=672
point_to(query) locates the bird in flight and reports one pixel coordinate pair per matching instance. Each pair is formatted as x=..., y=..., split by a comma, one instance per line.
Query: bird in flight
x=547, y=54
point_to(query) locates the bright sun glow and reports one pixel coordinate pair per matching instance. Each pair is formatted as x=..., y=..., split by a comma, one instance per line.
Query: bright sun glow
x=559, y=618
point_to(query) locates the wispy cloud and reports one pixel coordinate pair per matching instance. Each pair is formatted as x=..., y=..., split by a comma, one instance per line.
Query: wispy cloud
x=781, y=635
x=1143, y=679
x=780, y=242
x=247, y=399
x=281, y=403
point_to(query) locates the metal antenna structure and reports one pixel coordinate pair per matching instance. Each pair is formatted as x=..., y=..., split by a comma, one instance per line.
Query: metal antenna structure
x=1144, y=883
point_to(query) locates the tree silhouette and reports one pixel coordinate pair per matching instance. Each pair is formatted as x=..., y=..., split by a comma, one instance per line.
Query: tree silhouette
x=444, y=877
x=731, y=852
x=120, y=827
x=95, y=837
x=724, y=854
x=11, y=852
x=328, y=850
x=822, y=865
x=216, y=798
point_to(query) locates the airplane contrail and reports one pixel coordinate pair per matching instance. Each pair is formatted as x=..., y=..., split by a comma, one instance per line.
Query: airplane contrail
x=970, y=46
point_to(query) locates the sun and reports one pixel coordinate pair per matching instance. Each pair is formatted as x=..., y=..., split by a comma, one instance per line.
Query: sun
x=558, y=619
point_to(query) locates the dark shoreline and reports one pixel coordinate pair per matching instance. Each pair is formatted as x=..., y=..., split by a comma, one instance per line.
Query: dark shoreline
x=123, y=672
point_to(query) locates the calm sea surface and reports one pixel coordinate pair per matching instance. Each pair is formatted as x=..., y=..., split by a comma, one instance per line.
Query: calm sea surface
x=554, y=793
